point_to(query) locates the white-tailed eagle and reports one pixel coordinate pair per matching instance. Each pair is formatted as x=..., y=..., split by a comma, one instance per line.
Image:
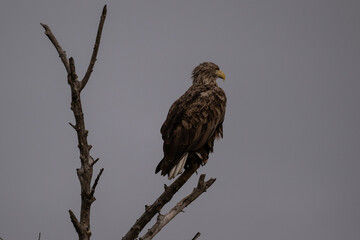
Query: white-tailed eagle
x=194, y=121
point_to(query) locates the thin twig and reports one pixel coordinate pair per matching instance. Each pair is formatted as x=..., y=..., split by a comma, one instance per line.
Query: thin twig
x=96, y=182
x=62, y=53
x=73, y=126
x=196, y=236
x=95, y=50
x=94, y=162
x=75, y=222
x=162, y=220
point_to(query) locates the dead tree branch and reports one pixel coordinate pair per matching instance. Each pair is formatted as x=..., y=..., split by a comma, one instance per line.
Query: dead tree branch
x=162, y=220
x=95, y=50
x=62, y=53
x=196, y=236
x=165, y=197
x=85, y=172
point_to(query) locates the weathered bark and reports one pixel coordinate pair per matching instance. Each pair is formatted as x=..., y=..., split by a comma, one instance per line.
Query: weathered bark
x=85, y=172
x=165, y=197
x=162, y=220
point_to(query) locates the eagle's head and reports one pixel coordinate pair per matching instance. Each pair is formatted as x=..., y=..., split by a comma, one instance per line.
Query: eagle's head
x=207, y=73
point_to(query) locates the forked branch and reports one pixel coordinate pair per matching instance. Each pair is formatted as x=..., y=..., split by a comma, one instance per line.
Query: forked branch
x=165, y=197
x=162, y=220
x=85, y=172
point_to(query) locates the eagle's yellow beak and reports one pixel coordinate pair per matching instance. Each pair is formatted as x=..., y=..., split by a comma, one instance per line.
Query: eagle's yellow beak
x=220, y=74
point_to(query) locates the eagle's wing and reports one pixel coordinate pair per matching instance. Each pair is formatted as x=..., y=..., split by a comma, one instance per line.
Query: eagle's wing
x=193, y=120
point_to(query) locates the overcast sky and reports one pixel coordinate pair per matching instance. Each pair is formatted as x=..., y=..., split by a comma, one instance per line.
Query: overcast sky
x=287, y=168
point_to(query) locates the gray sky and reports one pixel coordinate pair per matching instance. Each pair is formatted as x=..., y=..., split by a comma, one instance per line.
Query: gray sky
x=287, y=168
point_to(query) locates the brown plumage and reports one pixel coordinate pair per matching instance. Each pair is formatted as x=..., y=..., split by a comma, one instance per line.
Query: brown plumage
x=194, y=121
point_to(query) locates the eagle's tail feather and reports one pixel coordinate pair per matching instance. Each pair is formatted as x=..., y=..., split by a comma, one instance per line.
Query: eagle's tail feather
x=183, y=163
x=177, y=169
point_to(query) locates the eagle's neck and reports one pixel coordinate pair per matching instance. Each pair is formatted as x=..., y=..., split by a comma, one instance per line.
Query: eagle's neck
x=204, y=80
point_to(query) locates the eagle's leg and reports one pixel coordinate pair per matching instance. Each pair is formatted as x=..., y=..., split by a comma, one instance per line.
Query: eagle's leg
x=194, y=160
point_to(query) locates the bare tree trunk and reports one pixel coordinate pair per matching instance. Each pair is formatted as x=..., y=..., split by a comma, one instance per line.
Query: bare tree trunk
x=85, y=172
